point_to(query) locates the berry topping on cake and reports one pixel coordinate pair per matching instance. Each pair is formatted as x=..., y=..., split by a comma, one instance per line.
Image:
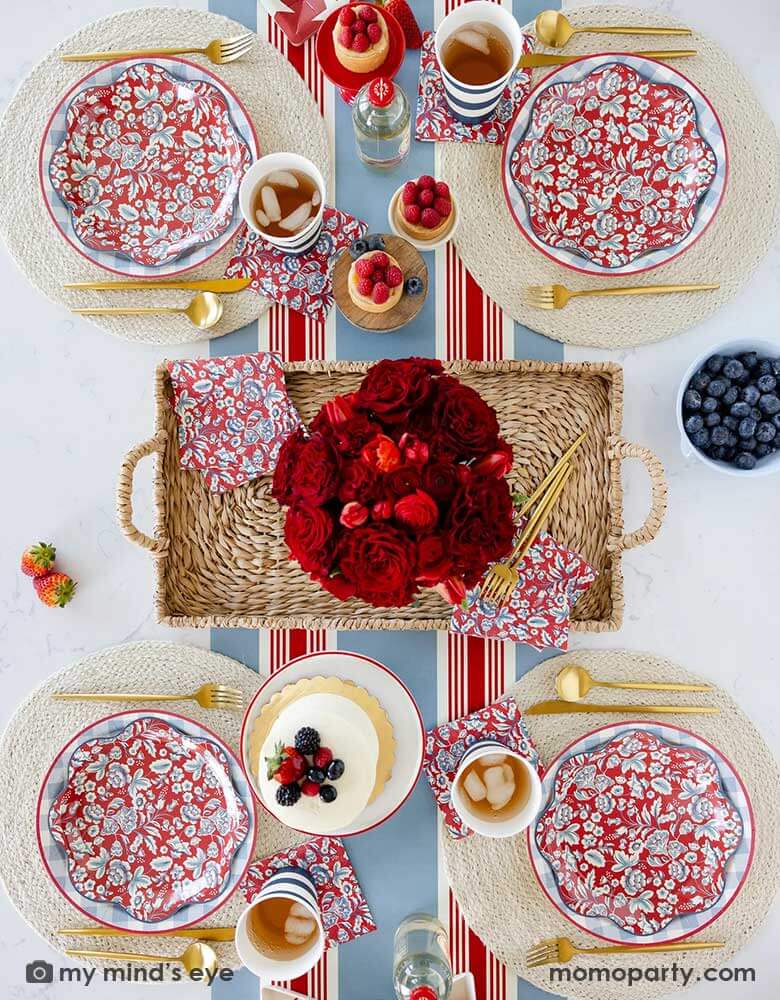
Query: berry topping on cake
x=286, y=764
x=442, y=189
x=425, y=198
x=413, y=214
x=394, y=276
x=426, y=181
x=345, y=37
x=374, y=33
x=315, y=774
x=365, y=267
x=360, y=42
x=335, y=770
x=288, y=795
x=430, y=218
x=359, y=27
x=368, y=14
x=328, y=793
x=409, y=195
x=443, y=206
x=365, y=286
x=381, y=293
x=310, y=788
x=347, y=16
x=307, y=740
x=425, y=204
x=323, y=757
x=380, y=260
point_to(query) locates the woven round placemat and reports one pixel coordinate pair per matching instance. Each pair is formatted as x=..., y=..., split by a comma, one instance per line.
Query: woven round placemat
x=279, y=104
x=40, y=728
x=503, y=262
x=493, y=879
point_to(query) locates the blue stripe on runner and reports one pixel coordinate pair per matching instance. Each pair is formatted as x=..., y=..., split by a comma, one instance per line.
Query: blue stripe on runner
x=240, y=643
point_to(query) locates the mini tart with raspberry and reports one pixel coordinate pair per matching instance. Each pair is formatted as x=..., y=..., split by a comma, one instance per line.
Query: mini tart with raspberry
x=426, y=223
x=367, y=302
x=364, y=53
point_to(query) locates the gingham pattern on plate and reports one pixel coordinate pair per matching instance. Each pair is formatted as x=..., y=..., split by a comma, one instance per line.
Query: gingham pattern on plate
x=58, y=210
x=736, y=870
x=708, y=127
x=54, y=856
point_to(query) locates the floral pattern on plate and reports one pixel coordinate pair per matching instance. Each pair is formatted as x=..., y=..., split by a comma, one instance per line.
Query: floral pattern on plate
x=345, y=912
x=149, y=819
x=149, y=165
x=639, y=831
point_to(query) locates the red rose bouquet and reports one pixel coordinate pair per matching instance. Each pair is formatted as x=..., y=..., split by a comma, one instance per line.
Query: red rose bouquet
x=397, y=486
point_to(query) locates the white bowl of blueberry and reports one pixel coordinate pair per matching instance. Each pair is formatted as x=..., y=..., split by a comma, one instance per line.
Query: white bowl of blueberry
x=728, y=408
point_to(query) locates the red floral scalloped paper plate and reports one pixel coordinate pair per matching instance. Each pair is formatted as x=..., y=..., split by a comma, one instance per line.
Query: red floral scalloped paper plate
x=140, y=166
x=646, y=836
x=145, y=822
x=614, y=165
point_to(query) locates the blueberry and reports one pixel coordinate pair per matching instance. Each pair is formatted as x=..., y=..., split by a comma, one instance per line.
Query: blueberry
x=700, y=381
x=316, y=774
x=769, y=404
x=766, y=432
x=728, y=454
x=717, y=453
x=357, y=248
x=740, y=410
x=745, y=460
x=747, y=427
x=731, y=395
x=762, y=450
x=764, y=367
x=733, y=440
x=717, y=387
x=751, y=395
x=719, y=436
x=733, y=369
x=731, y=422
x=712, y=420
x=775, y=364
x=328, y=793
x=414, y=285
x=776, y=420
x=714, y=364
x=748, y=444
x=755, y=413
x=701, y=438
x=767, y=383
x=693, y=423
x=376, y=241
x=335, y=769
x=709, y=405
x=749, y=360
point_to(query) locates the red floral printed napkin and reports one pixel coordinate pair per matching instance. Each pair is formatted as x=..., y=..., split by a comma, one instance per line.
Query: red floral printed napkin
x=233, y=415
x=446, y=744
x=435, y=122
x=298, y=19
x=345, y=912
x=552, y=578
x=303, y=282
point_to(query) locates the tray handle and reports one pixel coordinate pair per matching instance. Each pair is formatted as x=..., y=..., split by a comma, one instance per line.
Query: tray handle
x=124, y=495
x=624, y=449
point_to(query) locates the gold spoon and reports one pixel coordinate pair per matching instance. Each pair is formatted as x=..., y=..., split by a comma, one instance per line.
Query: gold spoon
x=555, y=29
x=573, y=683
x=197, y=956
x=204, y=310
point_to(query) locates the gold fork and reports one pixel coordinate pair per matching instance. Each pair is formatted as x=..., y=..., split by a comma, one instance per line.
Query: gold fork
x=560, y=950
x=220, y=51
x=207, y=696
x=558, y=296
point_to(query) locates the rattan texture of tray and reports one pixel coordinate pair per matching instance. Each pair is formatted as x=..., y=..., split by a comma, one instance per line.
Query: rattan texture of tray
x=221, y=560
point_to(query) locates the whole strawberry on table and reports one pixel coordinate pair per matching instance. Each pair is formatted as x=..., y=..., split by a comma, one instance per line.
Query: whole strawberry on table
x=55, y=589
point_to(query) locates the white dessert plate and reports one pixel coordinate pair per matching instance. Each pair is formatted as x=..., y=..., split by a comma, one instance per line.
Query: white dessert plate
x=395, y=698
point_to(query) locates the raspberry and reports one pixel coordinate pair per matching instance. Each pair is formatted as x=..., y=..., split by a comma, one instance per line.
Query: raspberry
x=359, y=26
x=443, y=206
x=378, y=274
x=442, y=189
x=431, y=218
x=347, y=16
x=310, y=788
x=380, y=259
x=374, y=32
x=345, y=37
x=426, y=198
x=381, y=293
x=360, y=43
x=368, y=14
x=365, y=287
x=426, y=181
x=394, y=276
x=412, y=214
x=364, y=267
x=322, y=758
x=409, y=193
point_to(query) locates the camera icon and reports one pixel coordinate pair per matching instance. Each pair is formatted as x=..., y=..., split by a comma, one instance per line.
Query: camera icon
x=39, y=972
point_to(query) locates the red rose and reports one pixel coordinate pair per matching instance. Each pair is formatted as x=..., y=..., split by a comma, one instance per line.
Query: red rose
x=337, y=585
x=453, y=589
x=464, y=422
x=353, y=514
x=308, y=532
x=315, y=476
x=335, y=412
x=414, y=450
x=382, y=453
x=379, y=560
x=405, y=479
x=433, y=559
x=348, y=436
x=480, y=526
x=416, y=511
x=440, y=479
x=382, y=510
x=498, y=463
x=282, y=485
x=358, y=482
x=392, y=389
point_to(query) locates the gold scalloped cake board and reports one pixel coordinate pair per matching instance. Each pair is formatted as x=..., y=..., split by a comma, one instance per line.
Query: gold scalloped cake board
x=271, y=711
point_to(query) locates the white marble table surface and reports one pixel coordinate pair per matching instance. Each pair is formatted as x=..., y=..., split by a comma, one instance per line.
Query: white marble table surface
x=704, y=594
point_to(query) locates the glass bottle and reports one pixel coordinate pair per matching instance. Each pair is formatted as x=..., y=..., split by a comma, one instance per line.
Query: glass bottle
x=421, y=966
x=382, y=121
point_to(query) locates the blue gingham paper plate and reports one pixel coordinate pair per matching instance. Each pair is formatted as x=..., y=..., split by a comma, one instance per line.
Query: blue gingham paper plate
x=737, y=868
x=53, y=856
x=115, y=262
x=708, y=127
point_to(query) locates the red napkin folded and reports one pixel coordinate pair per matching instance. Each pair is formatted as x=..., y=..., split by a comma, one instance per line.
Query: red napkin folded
x=298, y=19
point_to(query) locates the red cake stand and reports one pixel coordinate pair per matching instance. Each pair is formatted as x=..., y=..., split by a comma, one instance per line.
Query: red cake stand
x=349, y=83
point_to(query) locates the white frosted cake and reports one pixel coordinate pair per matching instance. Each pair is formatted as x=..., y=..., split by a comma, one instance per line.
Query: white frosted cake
x=345, y=729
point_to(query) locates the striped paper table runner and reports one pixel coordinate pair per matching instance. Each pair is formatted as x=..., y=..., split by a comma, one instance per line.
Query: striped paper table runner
x=398, y=864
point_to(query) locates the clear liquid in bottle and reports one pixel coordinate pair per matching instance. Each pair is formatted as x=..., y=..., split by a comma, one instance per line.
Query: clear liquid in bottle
x=421, y=965
x=381, y=118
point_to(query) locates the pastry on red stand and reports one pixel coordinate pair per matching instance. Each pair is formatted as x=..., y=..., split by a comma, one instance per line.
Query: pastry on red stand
x=361, y=40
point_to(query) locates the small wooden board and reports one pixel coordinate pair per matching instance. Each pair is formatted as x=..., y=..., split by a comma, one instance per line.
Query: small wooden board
x=411, y=263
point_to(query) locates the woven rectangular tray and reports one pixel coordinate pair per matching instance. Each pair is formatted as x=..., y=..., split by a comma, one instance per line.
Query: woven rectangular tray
x=221, y=560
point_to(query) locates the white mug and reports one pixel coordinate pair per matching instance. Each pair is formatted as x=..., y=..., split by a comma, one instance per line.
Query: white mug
x=298, y=886
x=513, y=824
x=305, y=238
x=470, y=103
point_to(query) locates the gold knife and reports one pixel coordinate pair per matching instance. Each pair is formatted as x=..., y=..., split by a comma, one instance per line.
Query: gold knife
x=535, y=59
x=555, y=707
x=218, y=285
x=200, y=933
